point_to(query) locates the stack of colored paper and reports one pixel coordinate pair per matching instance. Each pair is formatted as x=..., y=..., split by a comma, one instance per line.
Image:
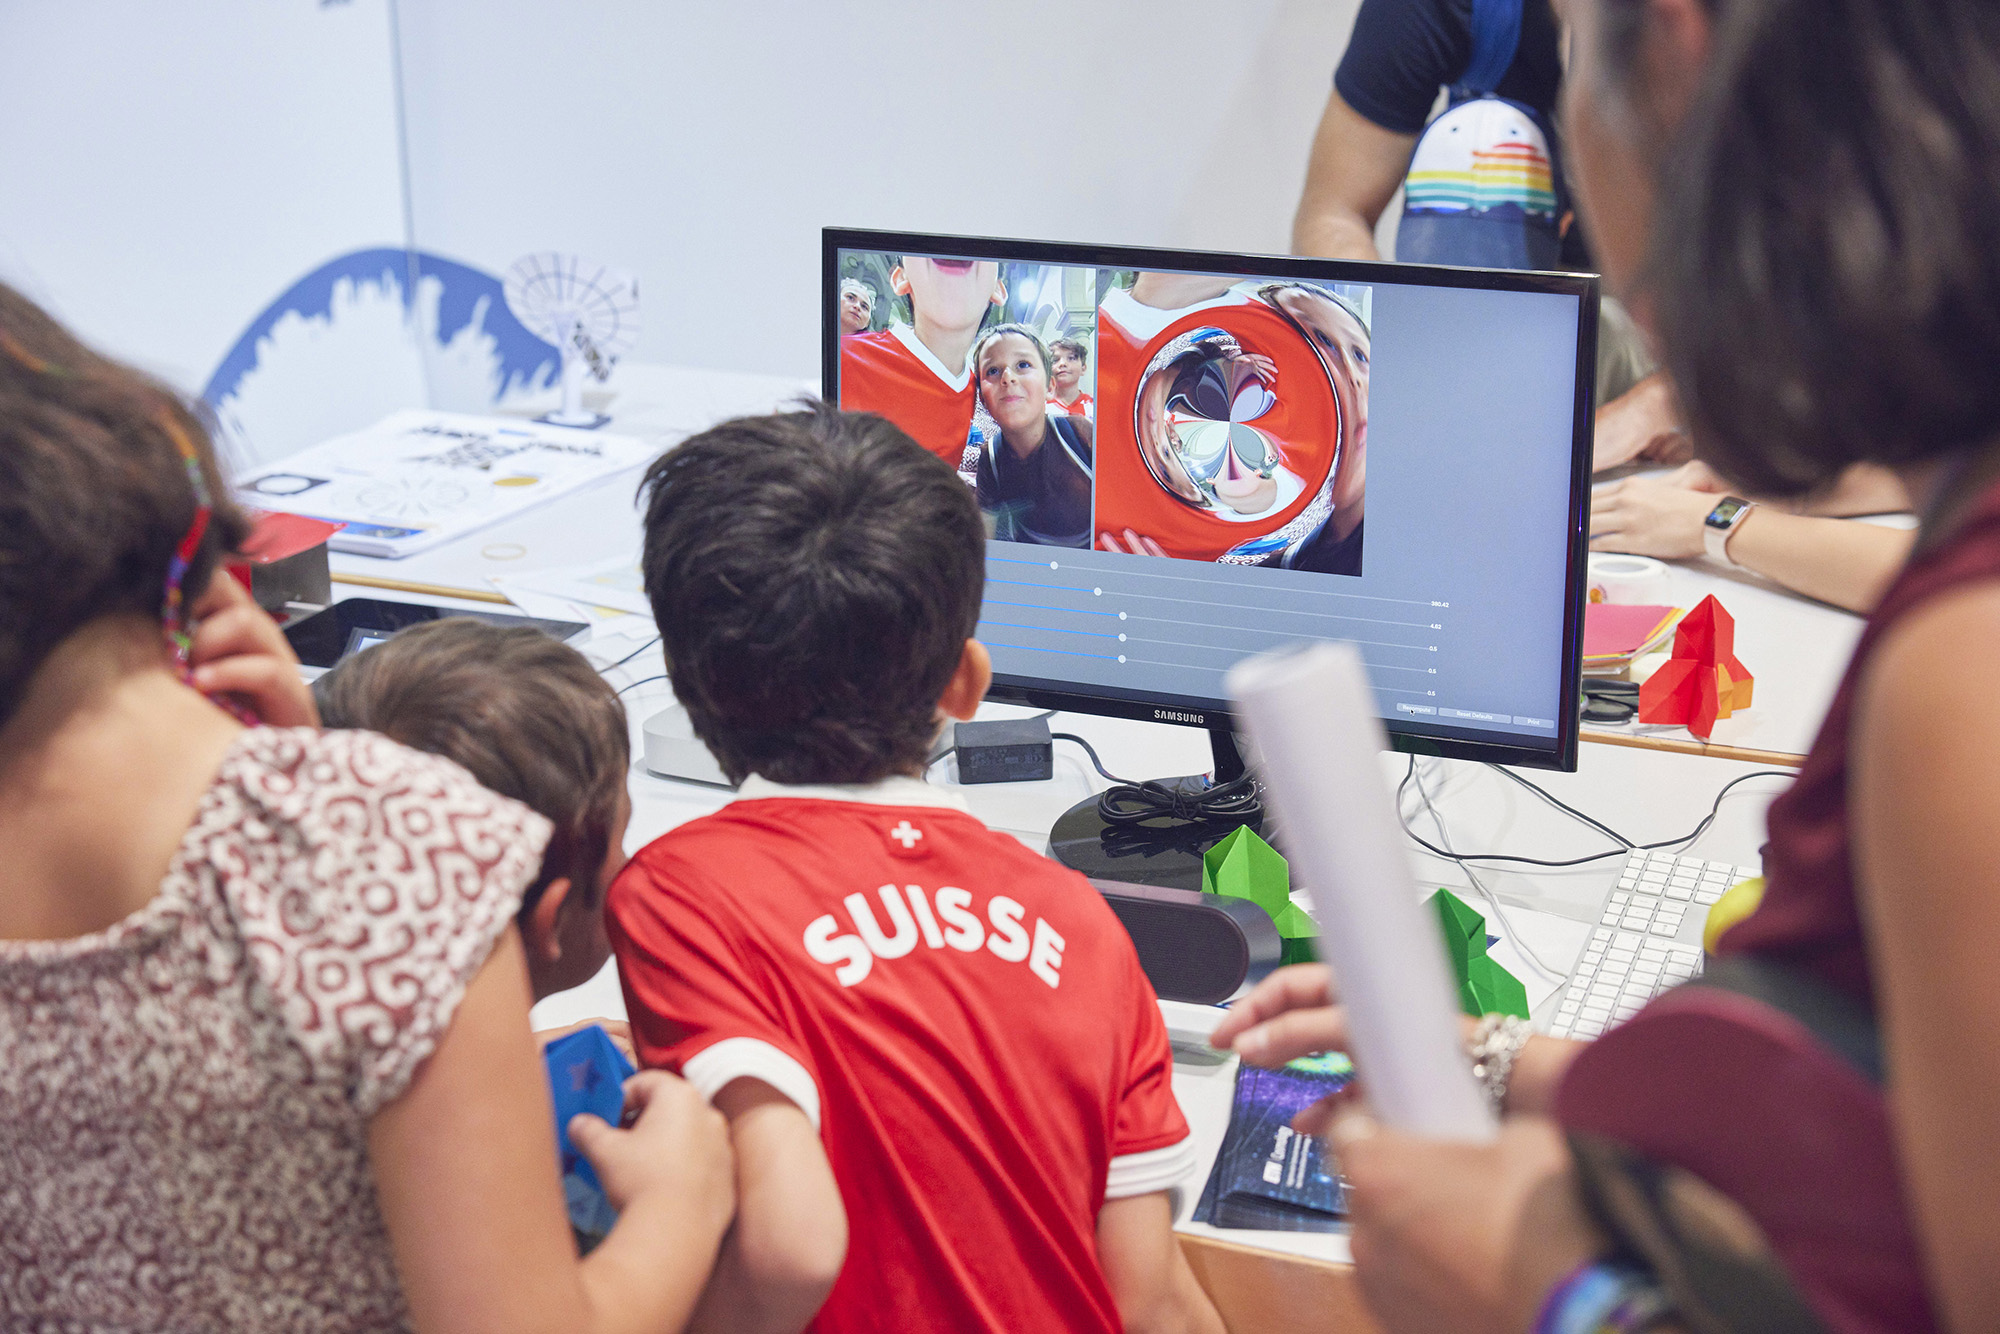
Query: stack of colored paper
x=1614, y=634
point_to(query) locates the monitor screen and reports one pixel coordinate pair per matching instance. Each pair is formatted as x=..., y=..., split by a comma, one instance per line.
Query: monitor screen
x=1184, y=458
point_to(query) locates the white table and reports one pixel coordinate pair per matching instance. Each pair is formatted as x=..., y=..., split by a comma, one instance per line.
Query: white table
x=1796, y=649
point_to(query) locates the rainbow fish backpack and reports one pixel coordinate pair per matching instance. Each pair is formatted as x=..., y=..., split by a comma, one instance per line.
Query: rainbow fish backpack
x=1483, y=186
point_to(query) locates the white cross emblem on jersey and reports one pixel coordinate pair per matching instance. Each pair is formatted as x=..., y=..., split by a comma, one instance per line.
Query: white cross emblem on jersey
x=906, y=834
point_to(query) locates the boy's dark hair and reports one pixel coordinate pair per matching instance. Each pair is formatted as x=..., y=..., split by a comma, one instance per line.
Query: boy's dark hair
x=814, y=575
x=94, y=494
x=523, y=713
x=1075, y=346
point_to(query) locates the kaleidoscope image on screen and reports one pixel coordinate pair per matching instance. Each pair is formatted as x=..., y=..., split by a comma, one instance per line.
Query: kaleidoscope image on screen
x=1246, y=403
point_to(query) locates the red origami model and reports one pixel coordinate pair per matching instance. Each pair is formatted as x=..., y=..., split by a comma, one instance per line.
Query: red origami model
x=1703, y=680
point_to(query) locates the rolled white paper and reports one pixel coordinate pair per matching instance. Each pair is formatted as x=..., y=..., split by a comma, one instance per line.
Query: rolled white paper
x=1637, y=581
x=1311, y=715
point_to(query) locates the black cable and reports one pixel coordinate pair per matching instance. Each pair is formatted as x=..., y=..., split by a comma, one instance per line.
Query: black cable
x=1492, y=900
x=1714, y=809
x=1550, y=798
x=629, y=656
x=1129, y=801
x=642, y=681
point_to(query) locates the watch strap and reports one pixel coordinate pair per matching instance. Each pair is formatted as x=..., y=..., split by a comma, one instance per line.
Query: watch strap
x=1722, y=521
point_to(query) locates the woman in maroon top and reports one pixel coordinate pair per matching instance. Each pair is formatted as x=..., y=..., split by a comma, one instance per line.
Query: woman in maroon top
x=1801, y=200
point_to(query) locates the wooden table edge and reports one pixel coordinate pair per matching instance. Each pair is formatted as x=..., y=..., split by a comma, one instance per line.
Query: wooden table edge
x=1259, y=1291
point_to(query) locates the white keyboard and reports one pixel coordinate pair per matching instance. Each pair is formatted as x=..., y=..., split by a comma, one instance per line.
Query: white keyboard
x=1648, y=939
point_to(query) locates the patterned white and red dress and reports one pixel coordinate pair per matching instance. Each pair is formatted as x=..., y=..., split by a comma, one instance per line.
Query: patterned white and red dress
x=185, y=1096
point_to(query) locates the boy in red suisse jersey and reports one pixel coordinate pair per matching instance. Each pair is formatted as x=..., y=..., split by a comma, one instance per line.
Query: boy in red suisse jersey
x=947, y=1079
x=918, y=374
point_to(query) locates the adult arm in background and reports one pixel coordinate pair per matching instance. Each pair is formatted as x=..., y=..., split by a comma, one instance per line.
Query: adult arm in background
x=1835, y=560
x=1865, y=488
x=781, y=1258
x=1354, y=171
x=1861, y=488
x=1150, y=1279
x=1924, y=806
x=465, y=1170
x=1641, y=425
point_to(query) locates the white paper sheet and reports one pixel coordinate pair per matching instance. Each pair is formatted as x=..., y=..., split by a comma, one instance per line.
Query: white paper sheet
x=1311, y=716
x=614, y=583
x=418, y=478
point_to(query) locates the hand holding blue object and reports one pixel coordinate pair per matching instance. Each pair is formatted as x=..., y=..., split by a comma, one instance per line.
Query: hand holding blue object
x=587, y=1073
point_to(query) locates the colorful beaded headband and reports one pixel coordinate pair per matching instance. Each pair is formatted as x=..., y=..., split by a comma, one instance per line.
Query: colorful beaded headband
x=173, y=612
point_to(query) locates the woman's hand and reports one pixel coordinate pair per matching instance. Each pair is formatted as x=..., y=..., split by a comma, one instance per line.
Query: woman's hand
x=677, y=1146
x=1294, y=1012
x=241, y=652
x=1647, y=516
x=1464, y=1237
x=1694, y=475
x=1290, y=1014
x=1643, y=425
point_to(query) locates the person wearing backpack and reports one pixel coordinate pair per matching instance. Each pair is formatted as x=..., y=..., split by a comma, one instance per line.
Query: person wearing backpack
x=1483, y=182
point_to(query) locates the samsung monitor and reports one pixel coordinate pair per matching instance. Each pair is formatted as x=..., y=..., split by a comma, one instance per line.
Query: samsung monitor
x=1186, y=457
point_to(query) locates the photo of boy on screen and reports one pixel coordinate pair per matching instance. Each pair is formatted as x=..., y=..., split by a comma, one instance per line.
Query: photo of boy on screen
x=1035, y=473
x=1069, y=360
x=1232, y=419
x=909, y=325
x=918, y=373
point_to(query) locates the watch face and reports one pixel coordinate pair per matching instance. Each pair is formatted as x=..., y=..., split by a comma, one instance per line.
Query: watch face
x=1725, y=513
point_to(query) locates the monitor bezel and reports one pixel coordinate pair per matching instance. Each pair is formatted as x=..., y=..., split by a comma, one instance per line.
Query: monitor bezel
x=1190, y=711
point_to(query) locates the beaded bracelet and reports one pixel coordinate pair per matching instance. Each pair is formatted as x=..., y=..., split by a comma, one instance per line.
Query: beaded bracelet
x=1602, y=1297
x=1495, y=1042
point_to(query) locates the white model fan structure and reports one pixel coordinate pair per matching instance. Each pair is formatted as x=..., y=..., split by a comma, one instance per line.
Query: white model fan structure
x=590, y=311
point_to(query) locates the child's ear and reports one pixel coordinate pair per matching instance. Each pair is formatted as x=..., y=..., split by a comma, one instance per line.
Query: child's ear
x=544, y=942
x=968, y=684
x=999, y=292
x=899, y=282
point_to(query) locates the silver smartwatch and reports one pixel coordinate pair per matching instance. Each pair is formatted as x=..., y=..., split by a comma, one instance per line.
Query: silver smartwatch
x=1721, y=522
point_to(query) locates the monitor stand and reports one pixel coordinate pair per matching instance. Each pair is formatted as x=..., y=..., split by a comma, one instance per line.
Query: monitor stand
x=1163, y=852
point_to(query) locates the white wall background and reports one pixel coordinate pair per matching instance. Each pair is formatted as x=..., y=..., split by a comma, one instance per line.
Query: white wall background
x=168, y=169
x=703, y=146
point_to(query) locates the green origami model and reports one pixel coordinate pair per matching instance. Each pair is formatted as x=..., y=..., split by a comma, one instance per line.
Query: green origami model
x=1244, y=866
x=1484, y=987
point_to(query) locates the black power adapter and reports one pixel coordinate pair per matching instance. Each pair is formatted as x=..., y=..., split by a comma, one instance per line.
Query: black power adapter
x=1010, y=751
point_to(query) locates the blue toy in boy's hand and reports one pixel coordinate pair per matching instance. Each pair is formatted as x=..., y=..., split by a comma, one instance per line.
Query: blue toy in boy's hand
x=587, y=1073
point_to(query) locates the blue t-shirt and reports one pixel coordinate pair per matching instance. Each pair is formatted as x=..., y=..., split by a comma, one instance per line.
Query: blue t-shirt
x=1403, y=51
